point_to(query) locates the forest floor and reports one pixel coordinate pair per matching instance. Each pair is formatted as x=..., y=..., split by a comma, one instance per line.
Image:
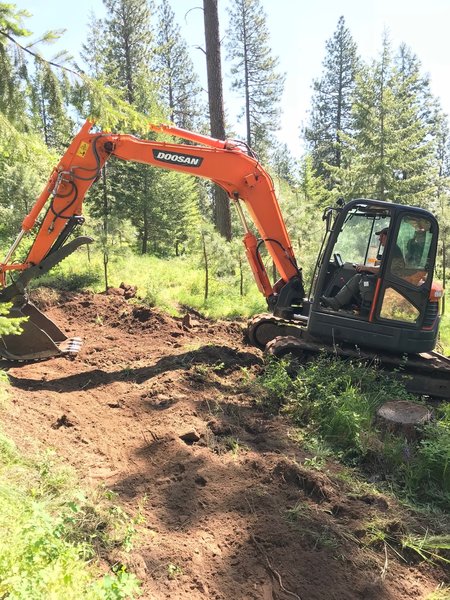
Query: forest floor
x=163, y=412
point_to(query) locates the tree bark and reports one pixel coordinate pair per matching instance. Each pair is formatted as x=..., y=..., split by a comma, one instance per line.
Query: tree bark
x=105, y=228
x=205, y=256
x=222, y=217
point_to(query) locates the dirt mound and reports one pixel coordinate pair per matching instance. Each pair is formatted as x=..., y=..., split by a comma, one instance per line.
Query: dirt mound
x=160, y=410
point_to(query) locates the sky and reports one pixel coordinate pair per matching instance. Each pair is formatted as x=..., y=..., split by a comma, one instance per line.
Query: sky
x=298, y=30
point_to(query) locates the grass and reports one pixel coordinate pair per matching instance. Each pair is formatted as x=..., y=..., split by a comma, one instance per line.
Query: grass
x=444, y=332
x=333, y=403
x=170, y=284
x=442, y=593
x=53, y=533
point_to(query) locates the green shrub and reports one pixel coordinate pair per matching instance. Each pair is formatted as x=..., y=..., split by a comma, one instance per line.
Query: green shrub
x=337, y=398
x=69, y=281
x=49, y=531
x=429, y=473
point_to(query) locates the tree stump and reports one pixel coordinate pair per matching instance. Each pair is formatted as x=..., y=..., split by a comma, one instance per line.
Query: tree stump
x=403, y=418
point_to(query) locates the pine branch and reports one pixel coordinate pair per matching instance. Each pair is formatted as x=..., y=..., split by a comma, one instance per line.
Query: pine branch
x=38, y=56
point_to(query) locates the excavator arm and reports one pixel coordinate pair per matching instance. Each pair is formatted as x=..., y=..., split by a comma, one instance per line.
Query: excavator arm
x=229, y=164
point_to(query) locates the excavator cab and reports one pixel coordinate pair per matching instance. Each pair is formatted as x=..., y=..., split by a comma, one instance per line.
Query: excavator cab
x=374, y=279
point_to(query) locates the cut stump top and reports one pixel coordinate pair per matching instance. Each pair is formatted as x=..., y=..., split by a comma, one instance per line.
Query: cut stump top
x=403, y=418
x=404, y=412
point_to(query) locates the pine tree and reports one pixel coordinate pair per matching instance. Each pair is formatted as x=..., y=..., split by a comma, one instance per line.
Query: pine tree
x=159, y=206
x=413, y=160
x=390, y=155
x=129, y=50
x=442, y=204
x=302, y=208
x=13, y=68
x=255, y=72
x=24, y=158
x=332, y=101
x=284, y=164
x=375, y=123
x=94, y=49
x=49, y=93
x=179, y=84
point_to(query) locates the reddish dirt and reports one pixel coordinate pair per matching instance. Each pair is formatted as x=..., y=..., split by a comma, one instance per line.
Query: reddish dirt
x=161, y=409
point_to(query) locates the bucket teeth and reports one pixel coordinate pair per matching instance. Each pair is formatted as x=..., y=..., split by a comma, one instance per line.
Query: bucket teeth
x=71, y=346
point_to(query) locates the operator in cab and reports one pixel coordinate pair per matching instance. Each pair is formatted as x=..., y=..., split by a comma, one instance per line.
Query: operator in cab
x=360, y=287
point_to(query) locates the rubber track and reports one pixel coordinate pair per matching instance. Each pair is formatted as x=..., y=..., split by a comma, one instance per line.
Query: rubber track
x=424, y=374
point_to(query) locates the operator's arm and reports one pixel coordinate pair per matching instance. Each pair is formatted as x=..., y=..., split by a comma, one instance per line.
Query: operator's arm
x=366, y=269
x=397, y=264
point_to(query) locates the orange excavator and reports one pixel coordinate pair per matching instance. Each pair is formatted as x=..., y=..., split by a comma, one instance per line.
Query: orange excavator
x=391, y=310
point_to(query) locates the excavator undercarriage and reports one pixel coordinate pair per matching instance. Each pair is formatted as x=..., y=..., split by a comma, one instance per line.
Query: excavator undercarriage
x=427, y=373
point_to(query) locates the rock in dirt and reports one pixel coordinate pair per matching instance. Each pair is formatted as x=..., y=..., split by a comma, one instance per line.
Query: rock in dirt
x=129, y=291
x=114, y=291
x=125, y=290
x=191, y=437
x=62, y=421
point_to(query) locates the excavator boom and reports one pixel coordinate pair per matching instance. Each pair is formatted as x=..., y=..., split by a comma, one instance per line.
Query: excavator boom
x=229, y=164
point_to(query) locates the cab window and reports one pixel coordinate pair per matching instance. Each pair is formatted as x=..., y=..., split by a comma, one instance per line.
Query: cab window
x=410, y=255
x=357, y=241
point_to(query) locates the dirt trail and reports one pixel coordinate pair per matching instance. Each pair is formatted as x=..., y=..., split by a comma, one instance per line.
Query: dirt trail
x=159, y=408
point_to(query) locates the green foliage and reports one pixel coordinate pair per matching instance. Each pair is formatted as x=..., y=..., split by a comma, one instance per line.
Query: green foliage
x=428, y=547
x=337, y=398
x=336, y=401
x=174, y=571
x=178, y=83
x=254, y=71
x=429, y=473
x=8, y=325
x=69, y=280
x=302, y=207
x=12, y=68
x=128, y=50
x=49, y=531
x=49, y=95
x=11, y=20
x=390, y=151
x=442, y=593
x=444, y=334
x=332, y=101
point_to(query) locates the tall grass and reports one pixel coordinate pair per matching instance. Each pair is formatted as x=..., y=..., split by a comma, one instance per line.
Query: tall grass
x=444, y=332
x=171, y=284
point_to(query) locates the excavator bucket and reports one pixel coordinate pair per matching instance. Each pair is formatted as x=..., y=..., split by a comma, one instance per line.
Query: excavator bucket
x=40, y=338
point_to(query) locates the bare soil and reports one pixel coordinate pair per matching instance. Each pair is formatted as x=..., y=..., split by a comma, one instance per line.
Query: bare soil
x=161, y=411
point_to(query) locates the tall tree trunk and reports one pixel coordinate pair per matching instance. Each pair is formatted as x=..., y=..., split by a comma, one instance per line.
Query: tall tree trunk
x=105, y=229
x=145, y=230
x=205, y=258
x=222, y=217
x=247, y=85
x=444, y=268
